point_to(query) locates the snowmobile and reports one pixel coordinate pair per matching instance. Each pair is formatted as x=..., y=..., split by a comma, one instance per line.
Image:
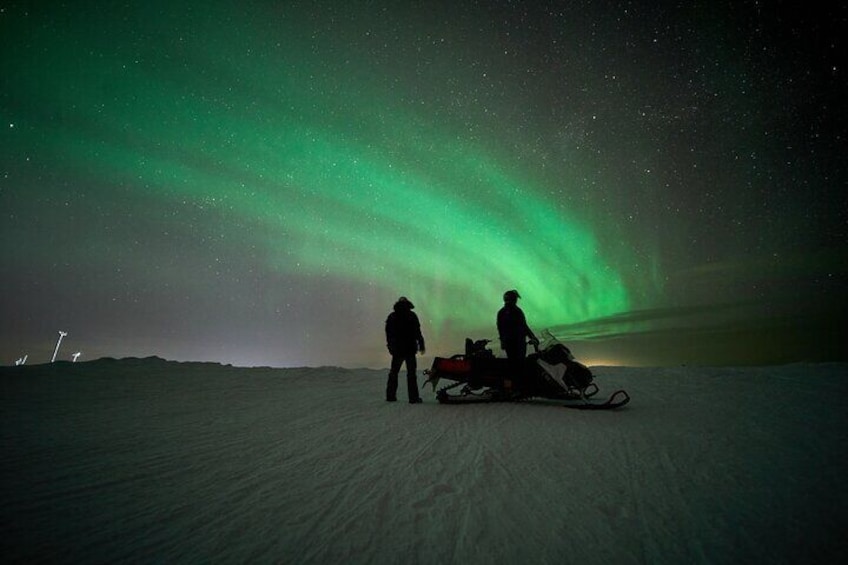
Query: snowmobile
x=551, y=372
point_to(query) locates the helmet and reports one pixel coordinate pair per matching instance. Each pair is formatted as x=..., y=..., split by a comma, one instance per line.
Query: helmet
x=511, y=296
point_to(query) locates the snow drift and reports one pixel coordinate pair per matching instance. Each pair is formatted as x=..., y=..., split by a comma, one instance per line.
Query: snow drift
x=152, y=461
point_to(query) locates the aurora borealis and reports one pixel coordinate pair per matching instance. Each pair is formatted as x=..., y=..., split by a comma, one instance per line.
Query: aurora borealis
x=256, y=183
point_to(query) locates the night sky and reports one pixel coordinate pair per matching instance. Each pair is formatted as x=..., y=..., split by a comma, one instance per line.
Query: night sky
x=257, y=182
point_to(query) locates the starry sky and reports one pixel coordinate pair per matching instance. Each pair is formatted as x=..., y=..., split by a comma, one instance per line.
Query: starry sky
x=257, y=182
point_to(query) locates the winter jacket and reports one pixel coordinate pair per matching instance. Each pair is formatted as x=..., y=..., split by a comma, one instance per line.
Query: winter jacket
x=403, y=331
x=512, y=327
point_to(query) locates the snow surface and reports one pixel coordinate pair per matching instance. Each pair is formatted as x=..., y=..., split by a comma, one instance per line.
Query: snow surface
x=144, y=460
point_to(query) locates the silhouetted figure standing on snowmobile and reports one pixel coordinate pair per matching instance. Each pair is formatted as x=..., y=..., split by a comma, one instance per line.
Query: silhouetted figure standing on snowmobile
x=514, y=331
x=404, y=339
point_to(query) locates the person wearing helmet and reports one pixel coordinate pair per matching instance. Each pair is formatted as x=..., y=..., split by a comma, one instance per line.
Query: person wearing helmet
x=514, y=331
x=404, y=339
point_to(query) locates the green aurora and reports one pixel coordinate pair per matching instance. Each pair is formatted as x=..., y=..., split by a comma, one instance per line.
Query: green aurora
x=257, y=183
x=339, y=183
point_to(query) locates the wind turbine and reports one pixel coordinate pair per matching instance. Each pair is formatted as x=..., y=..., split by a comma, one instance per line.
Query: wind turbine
x=75, y=355
x=22, y=360
x=58, y=343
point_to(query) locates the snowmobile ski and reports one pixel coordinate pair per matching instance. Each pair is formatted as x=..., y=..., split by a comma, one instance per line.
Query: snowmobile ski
x=616, y=400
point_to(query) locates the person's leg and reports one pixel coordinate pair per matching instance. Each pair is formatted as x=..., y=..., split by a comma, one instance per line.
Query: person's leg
x=392, y=383
x=412, y=379
x=516, y=356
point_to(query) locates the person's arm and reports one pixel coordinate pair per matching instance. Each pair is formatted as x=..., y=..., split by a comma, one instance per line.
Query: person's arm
x=420, y=338
x=501, y=323
x=390, y=334
x=528, y=331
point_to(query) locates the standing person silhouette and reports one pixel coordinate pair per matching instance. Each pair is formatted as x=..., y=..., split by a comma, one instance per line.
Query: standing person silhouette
x=404, y=339
x=514, y=331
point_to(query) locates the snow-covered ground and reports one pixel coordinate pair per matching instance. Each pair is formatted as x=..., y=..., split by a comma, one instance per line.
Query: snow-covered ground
x=152, y=461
